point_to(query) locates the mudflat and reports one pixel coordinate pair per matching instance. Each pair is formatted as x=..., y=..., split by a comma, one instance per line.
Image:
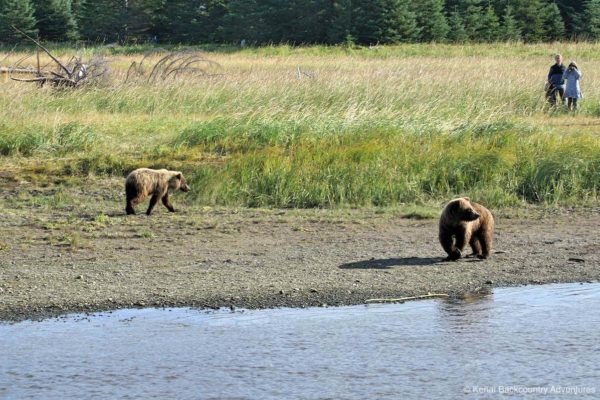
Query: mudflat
x=73, y=249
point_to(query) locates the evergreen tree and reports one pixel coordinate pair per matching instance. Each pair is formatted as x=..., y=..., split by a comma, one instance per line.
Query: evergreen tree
x=245, y=22
x=489, y=30
x=431, y=20
x=339, y=21
x=303, y=21
x=554, y=27
x=138, y=17
x=55, y=20
x=472, y=20
x=295, y=21
x=589, y=20
x=457, y=33
x=570, y=10
x=400, y=22
x=77, y=9
x=17, y=13
x=510, y=31
x=179, y=22
x=367, y=21
x=101, y=20
x=530, y=19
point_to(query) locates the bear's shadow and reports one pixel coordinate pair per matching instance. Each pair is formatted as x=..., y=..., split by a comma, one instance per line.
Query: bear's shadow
x=386, y=263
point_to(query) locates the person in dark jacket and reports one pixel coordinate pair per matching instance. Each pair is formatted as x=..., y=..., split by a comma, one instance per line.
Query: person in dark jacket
x=556, y=82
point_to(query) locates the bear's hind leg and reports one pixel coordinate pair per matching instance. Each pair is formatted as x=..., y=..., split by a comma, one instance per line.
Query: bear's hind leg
x=486, y=243
x=131, y=194
x=476, y=245
x=153, y=201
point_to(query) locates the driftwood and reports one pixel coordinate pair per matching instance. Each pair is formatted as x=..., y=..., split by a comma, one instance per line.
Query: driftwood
x=73, y=73
x=76, y=72
x=403, y=299
x=171, y=65
x=6, y=70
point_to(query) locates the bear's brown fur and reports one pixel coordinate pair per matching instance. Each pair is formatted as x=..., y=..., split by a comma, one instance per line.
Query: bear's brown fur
x=144, y=182
x=462, y=222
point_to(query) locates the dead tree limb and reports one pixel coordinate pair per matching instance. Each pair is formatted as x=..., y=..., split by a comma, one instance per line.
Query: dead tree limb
x=73, y=73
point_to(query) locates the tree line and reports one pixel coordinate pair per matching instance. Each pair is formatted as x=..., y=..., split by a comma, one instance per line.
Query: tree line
x=300, y=21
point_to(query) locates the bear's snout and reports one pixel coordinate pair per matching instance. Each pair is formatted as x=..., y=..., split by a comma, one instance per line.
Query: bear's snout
x=474, y=216
x=185, y=188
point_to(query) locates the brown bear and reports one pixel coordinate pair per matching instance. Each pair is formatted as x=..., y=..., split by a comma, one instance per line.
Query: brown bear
x=144, y=182
x=462, y=222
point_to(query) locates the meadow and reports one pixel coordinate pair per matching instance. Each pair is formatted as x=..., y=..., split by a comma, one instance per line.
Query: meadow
x=319, y=126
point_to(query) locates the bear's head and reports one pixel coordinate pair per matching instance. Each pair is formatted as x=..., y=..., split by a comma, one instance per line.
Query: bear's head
x=178, y=182
x=461, y=209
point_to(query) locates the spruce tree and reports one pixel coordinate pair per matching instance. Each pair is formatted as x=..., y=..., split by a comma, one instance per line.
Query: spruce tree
x=367, y=21
x=510, y=31
x=294, y=21
x=489, y=29
x=55, y=20
x=339, y=21
x=554, y=27
x=457, y=33
x=400, y=22
x=102, y=20
x=530, y=19
x=245, y=22
x=570, y=11
x=431, y=20
x=77, y=8
x=17, y=13
x=138, y=18
x=179, y=22
x=589, y=20
x=472, y=20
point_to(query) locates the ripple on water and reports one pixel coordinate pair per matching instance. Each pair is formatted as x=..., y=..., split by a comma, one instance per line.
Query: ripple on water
x=535, y=336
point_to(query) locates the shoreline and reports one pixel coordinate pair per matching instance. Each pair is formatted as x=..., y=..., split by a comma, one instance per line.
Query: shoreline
x=60, y=261
x=35, y=315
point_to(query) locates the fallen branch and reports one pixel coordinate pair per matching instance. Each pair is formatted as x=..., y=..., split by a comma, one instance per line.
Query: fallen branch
x=170, y=65
x=74, y=73
x=6, y=70
x=38, y=44
x=403, y=299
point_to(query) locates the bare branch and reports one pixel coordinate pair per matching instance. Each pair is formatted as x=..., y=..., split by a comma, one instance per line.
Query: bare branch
x=43, y=48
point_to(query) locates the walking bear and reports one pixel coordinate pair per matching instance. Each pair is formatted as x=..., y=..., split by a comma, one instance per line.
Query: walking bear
x=465, y=222
x=144, y=182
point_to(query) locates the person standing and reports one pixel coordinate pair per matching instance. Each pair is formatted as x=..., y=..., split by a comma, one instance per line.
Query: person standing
x=556, y=83
x=572, y=91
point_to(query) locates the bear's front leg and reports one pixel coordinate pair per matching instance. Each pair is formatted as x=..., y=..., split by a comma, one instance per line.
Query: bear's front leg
x=447, y=242
x=167, y=203
x=463, y=236
x=129, y=208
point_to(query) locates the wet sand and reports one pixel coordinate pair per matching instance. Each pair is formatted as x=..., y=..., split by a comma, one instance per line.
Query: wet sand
x=82, y=254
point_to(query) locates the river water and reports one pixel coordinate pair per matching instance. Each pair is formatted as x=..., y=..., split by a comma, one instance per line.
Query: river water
x=536, y=341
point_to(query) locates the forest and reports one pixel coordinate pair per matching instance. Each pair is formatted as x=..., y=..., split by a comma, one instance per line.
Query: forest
x=298, y=22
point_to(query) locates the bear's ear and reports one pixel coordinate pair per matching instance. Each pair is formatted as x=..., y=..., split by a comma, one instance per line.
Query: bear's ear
x=178, y=176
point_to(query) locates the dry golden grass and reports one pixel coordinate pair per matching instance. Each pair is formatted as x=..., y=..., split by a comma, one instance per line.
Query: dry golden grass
x=276, y=115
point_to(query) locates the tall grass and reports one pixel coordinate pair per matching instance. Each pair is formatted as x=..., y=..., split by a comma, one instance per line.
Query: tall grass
x=43, y=140
x=322, y=126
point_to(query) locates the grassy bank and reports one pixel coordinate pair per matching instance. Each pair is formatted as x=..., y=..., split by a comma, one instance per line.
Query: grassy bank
x=321, y=127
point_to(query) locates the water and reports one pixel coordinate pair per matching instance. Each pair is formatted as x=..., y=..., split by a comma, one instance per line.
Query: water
x=518, y=340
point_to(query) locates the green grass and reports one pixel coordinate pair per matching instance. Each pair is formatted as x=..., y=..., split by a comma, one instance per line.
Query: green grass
x=504, y=168
x=384, y=126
